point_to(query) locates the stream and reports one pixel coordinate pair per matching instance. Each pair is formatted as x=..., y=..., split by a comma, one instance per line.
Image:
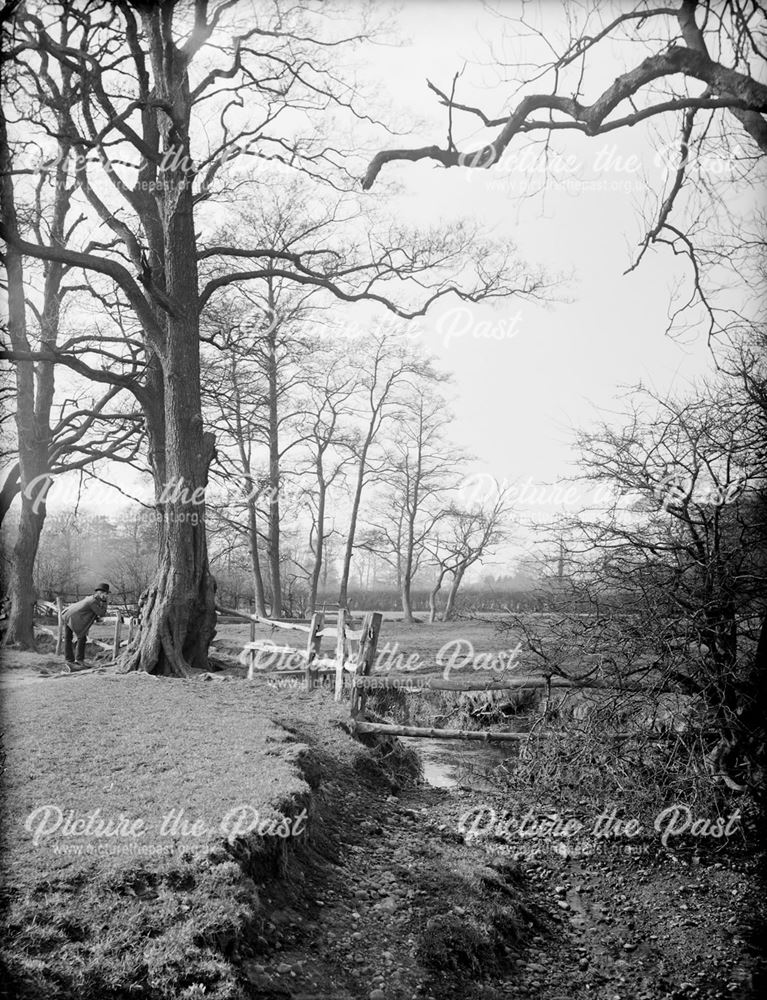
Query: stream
x=461, y=763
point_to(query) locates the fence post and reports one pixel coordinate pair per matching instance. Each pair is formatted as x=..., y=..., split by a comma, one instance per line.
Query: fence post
x=340, y=652
x=118, y=630
x=60, y=634
x=313, y=647
x=251, y=652
x=371, y=627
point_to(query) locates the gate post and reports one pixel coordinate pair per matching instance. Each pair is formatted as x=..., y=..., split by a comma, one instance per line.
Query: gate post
x=340, y=652
x=313, y=647
x=60, y=633
x=251, y=652
x=118, y=631
x=371, y=628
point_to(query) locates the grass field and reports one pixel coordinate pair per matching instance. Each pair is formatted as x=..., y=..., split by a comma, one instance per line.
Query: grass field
x=166, y=773
x=423, y=646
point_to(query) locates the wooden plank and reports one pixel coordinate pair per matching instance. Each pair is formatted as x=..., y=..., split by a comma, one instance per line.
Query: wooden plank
x=486, y=736
x=252, y=655
x=340, y=653
x=319, y=671
x=60, y=636
x=371, y=628
x=272, y=622
x=267, y=646
x=290, y=626
x=106, y=645
x=118, y=630
x=313, y=646
x=426, y=682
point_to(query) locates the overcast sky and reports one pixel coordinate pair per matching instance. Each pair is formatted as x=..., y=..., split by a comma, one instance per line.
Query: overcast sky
x=525, y=375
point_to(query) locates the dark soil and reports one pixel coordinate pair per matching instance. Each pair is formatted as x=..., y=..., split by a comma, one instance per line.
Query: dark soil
x=408, y=909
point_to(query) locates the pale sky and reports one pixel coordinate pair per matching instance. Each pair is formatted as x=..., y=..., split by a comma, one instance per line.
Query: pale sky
x=526, y=376
x=529, y=375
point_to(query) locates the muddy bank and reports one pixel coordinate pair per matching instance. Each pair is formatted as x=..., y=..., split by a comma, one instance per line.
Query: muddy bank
x=410, y=909
x=394, y=901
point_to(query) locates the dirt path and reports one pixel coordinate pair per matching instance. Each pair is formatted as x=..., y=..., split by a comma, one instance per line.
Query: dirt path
x=411, y=911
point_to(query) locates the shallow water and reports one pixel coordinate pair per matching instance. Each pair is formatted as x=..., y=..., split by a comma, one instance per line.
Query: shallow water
x=460, y=763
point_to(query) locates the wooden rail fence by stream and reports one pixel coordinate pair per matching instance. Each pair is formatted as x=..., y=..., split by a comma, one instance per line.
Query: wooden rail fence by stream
x=353, y=667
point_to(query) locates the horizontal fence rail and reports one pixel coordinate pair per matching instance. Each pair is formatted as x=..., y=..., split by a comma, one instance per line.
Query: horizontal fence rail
x=485, y=736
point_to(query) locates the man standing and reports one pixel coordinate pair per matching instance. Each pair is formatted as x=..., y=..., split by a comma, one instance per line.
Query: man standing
x=78, y=618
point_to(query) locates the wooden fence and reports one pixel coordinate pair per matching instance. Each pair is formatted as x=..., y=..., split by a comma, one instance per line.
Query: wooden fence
x=354, y=660
x=354, y=649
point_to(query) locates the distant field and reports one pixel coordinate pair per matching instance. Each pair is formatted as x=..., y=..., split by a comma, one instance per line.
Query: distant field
x=421, y=646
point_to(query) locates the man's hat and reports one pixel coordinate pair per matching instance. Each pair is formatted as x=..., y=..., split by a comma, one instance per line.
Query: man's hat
x=103, y=586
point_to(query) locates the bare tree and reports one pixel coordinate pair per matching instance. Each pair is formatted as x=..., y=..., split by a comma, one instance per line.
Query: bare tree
x=695, y=66
x=83, y=433
x=390, y=370
x=327, y=443
x=682, y=52
x=138, y=77
x=678, y=557
x=465, y=536
x=415, y=488
x=235, y=391
x=60, y=566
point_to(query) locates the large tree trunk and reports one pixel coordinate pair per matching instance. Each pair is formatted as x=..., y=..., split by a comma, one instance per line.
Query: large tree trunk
x=178, y=611
x=21, y=587
x=177, y=615
x=273, y=544
x=33, y=433
x=33, y=462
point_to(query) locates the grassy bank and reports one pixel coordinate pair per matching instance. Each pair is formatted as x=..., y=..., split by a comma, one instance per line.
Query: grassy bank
x=196, y=914
x=184, y=784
